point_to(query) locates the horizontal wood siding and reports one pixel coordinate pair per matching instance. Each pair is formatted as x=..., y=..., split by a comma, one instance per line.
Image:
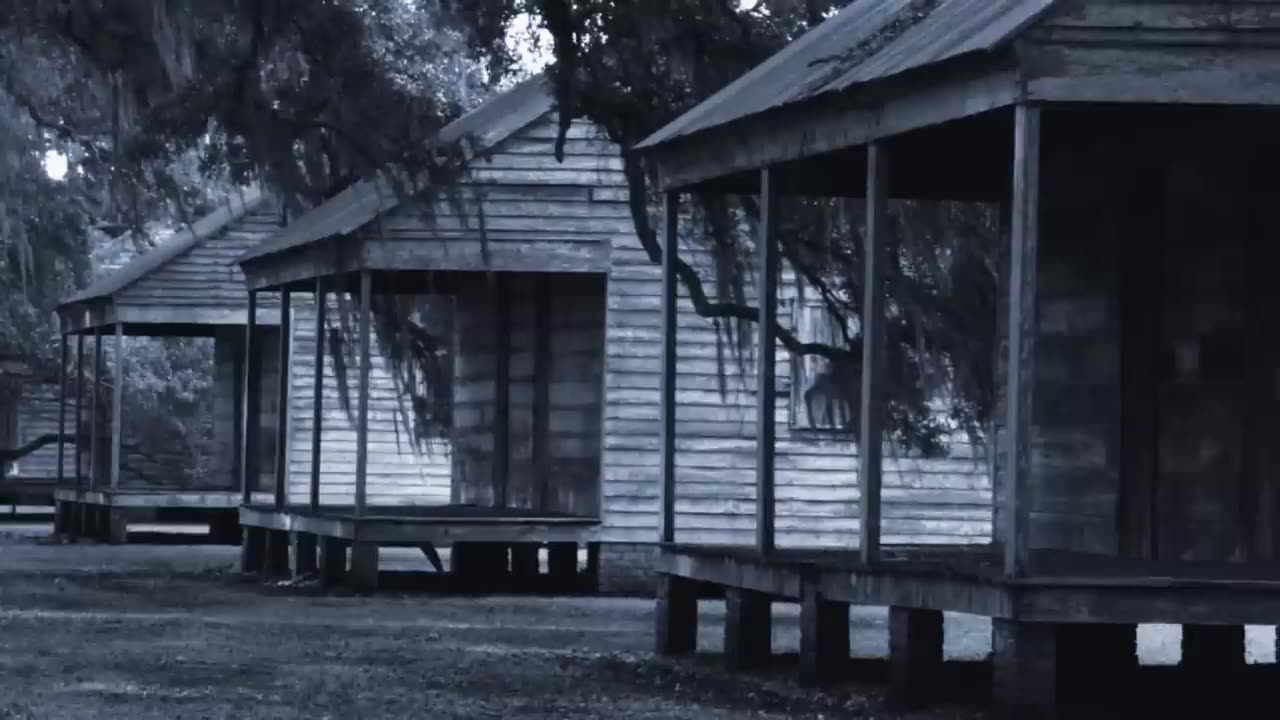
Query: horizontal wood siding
x=399, y=474
x=207, y=277
x=925, y=501
x=38, y=415
x=518, y=208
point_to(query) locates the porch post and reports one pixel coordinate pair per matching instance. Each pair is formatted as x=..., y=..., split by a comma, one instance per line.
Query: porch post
x=766, y=370
x=94, y=431
x=667, y=382
x=62, y=404
x=282, y=406
x=79, y=408
x=542, y=392
x=117, y=410
x=317, y=395
x=252, y=403
x=501, y=390
x=362, y=418
x=870, y=442
x=1024, y=240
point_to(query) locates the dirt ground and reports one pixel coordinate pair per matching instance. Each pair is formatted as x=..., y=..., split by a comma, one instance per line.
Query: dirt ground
x=145, y=631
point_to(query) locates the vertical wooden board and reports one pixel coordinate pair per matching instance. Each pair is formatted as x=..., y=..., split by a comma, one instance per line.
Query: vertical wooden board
x=95, y=415
x=224, y=465
x=317, y=394
x=79, y=409
x=1022, y=327
x=62, y=405
x=362, y=413
x=667, y=381
x=766, y=370
x=282, y=404
x=117, y=407
x=873, y=409
x=501, y=467
x=252, y=384
x=542, y=391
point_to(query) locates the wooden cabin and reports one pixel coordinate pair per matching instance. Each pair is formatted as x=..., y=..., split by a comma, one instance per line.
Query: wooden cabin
x=1132, y=145
x=556, y=342
x=190, y=286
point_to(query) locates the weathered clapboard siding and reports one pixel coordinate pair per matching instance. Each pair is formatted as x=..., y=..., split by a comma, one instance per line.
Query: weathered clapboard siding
x=398, y=472
x=206, y=275
x=515, y=209
x=37, y=414
x=574, y=337
x=934, y=500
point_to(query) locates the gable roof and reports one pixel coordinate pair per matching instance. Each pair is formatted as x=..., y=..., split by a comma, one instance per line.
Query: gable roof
x=235, y=208
x=496, y=119
x=867, y=41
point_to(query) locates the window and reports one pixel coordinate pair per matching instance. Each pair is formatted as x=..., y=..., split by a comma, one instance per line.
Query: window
x=824, y=395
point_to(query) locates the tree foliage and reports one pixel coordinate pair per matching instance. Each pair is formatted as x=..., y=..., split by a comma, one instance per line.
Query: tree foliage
x=311, y=95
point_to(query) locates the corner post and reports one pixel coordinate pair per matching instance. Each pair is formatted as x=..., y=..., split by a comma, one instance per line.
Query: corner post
x=362, y=418
x=1024, y=241
x=95, y=432
x=62, y=406
x=282, y=406
x=766, y=370
x=117, y=412
x=79, y=409
x=501, y=390
x=252, y=401
x=667, y=382
x=317, y=399
x=871, y=427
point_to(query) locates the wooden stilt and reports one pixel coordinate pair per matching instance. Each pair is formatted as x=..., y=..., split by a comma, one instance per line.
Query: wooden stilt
x=824, y=637
x=333, y=561
x=748, y=629
x=302, y=554
x=676, y=619
x=363, y=576
x=915, y=655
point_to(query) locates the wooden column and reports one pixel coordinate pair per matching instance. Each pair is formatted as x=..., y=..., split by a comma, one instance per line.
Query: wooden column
x=501, y=390
x=237, y=410
x=62, y=408
x=117, y=413
x=252, y=403
x=871, y=441
x=317, y=395
x=1024, y=241
x=766, y=429
x=282, y=406
x=95, y=432
x=667, y=381
x=915, y=655
x=748, y=628
x=362, y=417
x=676, y=619
x=824, y=636
x=542, y=392
x=79, y=409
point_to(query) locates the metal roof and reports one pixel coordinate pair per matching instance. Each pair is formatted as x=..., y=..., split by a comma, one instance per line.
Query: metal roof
x=496, y=119
x=235, y=207
x=868, y=40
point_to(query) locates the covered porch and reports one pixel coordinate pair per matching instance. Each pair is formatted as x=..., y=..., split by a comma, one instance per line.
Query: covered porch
x=1136, y=477
x=522, y=333
x=183, y=288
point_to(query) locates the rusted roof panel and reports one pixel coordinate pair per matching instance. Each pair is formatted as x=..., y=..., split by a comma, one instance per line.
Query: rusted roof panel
x=868, y=40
